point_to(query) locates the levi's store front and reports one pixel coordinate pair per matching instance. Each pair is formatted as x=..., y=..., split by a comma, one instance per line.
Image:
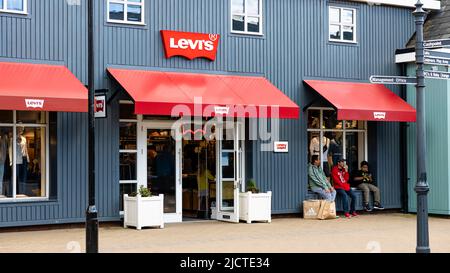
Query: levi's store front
x=184, y=135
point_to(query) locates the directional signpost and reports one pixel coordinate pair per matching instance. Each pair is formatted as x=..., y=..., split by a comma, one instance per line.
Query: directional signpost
x=436, y=61
x=393, y=80
x=436, y=54
x=437, y=75
x=436, y=43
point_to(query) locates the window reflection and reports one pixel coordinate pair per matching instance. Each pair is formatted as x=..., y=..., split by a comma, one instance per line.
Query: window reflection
x=17, y=5
x=335, y=32
x=116, y=11
x=134, y=13
x=335, y=15
x=253, y=24
x=347, y=16
x=238, y=23
x=238, y=6
x=253, y=7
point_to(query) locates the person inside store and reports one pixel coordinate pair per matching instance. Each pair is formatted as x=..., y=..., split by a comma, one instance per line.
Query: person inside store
x=318, y=181
x=165, y=169
x=314, y=149
x=341, y=183
x=335, y=150
x=365, y=181
x=204, y=175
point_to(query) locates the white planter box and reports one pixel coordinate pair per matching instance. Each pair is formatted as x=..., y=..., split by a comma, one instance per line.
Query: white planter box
x=213, y=213
x=255, y=207
x=142, y=212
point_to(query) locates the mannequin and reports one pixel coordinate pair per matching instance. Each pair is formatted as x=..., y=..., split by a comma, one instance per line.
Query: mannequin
x=314, y=149
x=3, y=148
x=336, y=148
x=22, y=159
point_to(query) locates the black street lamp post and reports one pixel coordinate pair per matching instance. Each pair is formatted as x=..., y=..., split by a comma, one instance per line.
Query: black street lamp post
x=91, y=213
x=422, y=188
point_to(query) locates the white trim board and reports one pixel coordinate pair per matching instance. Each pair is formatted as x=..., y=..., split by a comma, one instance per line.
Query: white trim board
x=428, y=4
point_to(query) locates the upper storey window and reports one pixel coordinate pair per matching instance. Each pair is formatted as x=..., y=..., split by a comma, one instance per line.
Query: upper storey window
x=342, y=25
x=246, y=17
x=13, y=6
x=126, y=11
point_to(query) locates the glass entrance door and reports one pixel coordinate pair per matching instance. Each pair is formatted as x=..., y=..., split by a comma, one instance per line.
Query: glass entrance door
x=230, y=173
x=161, y=154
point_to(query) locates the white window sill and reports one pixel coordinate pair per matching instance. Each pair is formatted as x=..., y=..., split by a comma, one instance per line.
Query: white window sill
x=124, y=182
x=24, y=200
x=14, y=12
x=126, y=23
x=343, y=41
x=247, y=33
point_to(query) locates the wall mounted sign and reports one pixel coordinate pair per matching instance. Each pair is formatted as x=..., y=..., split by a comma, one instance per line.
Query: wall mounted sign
x=100, y=106
x=190, y=45
x=393, y=80
x=281, y=147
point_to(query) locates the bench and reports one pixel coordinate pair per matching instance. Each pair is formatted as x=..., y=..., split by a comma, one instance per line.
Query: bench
x=339, y=207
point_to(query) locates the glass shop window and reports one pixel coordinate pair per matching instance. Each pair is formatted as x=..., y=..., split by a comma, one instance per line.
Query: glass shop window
x=331, y=139
x=23, y=155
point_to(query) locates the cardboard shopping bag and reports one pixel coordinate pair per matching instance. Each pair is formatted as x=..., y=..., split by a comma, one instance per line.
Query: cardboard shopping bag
x=311, y=209
x=327, y=210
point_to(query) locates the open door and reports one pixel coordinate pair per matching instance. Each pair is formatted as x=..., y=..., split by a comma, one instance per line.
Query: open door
x=230, y=172
x=161, y=156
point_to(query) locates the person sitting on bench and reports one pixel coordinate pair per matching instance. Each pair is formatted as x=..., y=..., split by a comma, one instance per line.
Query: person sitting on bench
x=341, y=178
x=318, y=181
x=364, y=181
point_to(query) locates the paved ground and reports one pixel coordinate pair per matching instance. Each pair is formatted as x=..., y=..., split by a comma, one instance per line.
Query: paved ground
x=367, y=233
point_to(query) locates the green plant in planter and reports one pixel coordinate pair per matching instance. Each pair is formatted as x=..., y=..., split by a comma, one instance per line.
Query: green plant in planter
x=143, y=192
x=251, y=186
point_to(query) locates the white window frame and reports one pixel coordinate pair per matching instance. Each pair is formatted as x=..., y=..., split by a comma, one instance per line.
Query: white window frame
x=6, y=10
x=137, y=121
x=14, y=127
x=246, y=32
x=344, y=132
x=341, y=25
x=125, y=16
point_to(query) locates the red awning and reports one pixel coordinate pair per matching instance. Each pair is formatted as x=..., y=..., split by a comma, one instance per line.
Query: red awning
x=41, y=87
x=159, y=93
x=364, y=101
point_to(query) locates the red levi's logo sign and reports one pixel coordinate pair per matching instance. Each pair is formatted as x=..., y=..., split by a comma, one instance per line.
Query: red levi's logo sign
x=190, y=45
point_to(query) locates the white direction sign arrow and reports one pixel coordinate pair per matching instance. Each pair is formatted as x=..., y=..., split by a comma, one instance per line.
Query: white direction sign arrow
x=392, y=80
